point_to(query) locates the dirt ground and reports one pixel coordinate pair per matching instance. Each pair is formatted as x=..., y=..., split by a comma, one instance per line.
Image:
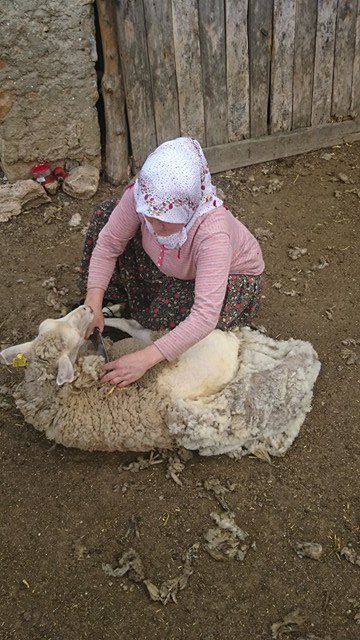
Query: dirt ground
x=65, y=513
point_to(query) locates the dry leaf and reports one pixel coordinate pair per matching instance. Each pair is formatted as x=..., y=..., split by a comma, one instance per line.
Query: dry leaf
x=286, y=625
x=152, y=590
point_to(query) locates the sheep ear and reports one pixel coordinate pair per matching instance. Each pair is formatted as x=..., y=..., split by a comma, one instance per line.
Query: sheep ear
x=65, y=370
x=7, y=355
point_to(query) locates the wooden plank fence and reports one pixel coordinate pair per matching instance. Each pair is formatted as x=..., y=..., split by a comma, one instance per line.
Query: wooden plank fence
x=252, y=80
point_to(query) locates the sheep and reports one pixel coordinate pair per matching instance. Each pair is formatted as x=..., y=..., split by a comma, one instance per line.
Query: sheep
x=232, y=393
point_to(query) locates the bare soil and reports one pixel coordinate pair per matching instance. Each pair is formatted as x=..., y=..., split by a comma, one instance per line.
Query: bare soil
x=66, y=512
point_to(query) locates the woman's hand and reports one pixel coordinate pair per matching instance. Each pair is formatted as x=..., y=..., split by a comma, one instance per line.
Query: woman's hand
x=94, y=299
x=97, y=321
x=131, y=367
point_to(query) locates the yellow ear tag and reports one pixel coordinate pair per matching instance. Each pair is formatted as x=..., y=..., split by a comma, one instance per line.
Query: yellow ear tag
x=19, y=361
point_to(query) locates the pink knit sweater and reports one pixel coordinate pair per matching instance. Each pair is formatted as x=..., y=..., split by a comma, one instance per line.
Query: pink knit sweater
x=217, y=245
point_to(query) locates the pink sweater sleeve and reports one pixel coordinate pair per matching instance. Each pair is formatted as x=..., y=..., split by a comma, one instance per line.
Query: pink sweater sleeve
x=120, y=228
x=212, y=271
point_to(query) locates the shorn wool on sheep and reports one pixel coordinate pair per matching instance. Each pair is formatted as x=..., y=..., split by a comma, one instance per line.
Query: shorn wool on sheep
x=232, y=393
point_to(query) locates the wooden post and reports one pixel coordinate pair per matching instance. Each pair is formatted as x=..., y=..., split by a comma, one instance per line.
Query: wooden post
x=116, y=161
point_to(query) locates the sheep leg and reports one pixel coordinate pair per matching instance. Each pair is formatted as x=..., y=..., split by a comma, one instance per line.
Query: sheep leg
x=114, y=310
x=132, y=327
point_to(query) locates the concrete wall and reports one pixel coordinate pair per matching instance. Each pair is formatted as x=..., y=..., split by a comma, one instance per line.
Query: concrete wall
x=47, y=84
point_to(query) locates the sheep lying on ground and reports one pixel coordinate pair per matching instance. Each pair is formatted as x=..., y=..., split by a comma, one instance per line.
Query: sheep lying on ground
x=231, y=393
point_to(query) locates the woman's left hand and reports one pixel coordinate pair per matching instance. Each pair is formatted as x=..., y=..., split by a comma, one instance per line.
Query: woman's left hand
x=131, y=367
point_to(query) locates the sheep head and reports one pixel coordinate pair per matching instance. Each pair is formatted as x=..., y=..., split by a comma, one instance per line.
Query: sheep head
x=58, y=342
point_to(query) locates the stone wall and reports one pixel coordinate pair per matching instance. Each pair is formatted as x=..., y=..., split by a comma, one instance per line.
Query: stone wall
x=48, y=86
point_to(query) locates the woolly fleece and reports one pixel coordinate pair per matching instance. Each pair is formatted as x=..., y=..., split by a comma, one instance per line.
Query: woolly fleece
x=258, y=399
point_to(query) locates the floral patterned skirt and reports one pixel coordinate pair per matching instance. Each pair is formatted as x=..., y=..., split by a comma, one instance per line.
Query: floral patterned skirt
x=158, y=301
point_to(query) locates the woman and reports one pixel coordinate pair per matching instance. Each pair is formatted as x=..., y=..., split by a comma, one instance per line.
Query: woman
x=175, y=254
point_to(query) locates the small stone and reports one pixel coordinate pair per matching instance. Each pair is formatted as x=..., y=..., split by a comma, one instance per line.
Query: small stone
x=23, y=194
x=69, y=165
x=52, y=187
x=75, y=220
x=82, y=182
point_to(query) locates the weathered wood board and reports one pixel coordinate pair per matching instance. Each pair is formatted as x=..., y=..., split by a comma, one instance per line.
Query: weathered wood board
x=324, y=61
x=213, y=61
x=355, y=92
x=280, y=145
x=344, y=57
x=304, y=56
x=282, y=65
x=252, y=80
x=137, y=80
x=160, y=45
x=260, y=36
x=188, y=68
x=237, y=69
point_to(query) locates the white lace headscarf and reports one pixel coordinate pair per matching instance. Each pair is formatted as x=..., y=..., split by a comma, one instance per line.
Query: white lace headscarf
x=174, y=185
